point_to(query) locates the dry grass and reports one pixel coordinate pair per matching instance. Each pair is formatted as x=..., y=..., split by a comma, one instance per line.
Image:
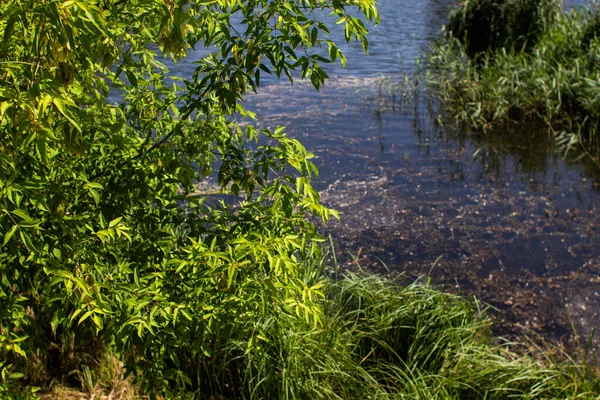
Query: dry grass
x=105, y=381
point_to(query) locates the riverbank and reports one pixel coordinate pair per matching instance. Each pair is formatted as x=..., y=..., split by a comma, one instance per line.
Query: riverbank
x=540, y=65
x=377, y=339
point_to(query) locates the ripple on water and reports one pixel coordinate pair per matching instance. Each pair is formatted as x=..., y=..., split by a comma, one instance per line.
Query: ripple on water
x=514, y=225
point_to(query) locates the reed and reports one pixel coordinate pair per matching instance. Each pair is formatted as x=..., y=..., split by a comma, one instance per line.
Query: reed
x=551, y=74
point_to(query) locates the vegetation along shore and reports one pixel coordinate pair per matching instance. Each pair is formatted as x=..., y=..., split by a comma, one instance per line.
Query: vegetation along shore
x=118, y=279
x=501, y=62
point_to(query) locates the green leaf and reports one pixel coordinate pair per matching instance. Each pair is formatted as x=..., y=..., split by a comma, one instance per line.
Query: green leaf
x=23, y=214
x=16, y=375
x=28, y=242
x=95, y=185
x=114, y=222
x=10, y=234
x=84, y=317
x=63, y=109
x=98, y=321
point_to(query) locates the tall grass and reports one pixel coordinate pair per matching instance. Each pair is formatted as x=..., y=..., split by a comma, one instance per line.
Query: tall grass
x=551, y=74
x=383, y=340
x=378, y=339
x=493, y=24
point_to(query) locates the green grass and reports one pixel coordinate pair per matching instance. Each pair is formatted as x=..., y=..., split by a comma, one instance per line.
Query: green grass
x=551, y=75
x=377, y=340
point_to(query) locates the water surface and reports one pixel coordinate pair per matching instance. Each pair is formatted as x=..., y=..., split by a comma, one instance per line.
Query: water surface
x=502, y=217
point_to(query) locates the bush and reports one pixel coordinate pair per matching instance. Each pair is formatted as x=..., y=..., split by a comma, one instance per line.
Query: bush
x=482, y=25
x=554, y=81
x=105, y=243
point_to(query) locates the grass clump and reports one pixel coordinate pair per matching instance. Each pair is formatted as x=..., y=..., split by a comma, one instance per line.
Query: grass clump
x=383, y=340
x=418, y=342
x=534, y=63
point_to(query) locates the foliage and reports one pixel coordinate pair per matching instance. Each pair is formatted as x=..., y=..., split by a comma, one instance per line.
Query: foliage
x=418, y=342
x=105, y=243
x=555, y=81
x=384, y=340
x=108, y=248
x=591, y=30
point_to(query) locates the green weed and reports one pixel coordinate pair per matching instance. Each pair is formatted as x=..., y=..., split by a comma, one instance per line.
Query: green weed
x=378, y=339
x=554, y=79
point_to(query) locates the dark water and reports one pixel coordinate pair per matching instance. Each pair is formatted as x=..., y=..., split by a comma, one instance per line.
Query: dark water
x=500, y=217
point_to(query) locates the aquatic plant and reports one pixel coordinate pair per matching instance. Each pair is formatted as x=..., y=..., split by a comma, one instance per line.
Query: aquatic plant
x=553, y=79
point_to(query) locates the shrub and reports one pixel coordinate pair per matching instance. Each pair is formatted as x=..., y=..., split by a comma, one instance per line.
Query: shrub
x=483, y=25
x=105, y=244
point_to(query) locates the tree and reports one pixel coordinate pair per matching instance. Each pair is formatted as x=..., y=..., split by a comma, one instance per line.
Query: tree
x=105, y=242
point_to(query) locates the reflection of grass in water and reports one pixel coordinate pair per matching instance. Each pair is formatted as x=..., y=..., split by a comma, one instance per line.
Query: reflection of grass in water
x=531, y=102
x=407, y=93
x=393, y=94
x=554, y=79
